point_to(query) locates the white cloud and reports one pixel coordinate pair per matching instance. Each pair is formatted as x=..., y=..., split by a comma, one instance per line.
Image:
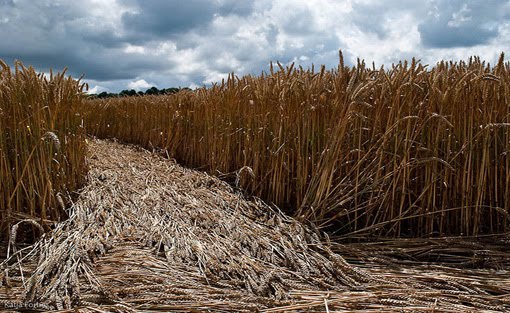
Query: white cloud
x=194, y=86
x=134, y=49
x=96, y=89
x=461, y=17
x=214, y=77
x=140, y=84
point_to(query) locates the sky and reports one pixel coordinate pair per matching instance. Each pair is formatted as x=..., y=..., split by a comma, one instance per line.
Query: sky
x=136, y=44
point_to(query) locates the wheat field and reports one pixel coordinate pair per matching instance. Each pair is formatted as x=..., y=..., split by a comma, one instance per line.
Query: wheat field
x=410, y=150
x=365, y=154
x=42, y=146
x=359, y=151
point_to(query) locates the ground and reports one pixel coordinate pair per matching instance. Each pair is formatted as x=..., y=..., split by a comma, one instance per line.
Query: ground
x=149, y=235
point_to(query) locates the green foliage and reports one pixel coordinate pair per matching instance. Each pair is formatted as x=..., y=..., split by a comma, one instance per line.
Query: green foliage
x=132, y=93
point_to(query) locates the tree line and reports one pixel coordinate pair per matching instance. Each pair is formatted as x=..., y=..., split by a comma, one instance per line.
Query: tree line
x=132, y=92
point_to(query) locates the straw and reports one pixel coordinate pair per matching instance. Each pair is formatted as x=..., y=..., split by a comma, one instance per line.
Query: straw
x=149, y=235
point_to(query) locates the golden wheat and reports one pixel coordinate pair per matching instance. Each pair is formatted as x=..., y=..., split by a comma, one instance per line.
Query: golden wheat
x=409, y=150
x=42, y=145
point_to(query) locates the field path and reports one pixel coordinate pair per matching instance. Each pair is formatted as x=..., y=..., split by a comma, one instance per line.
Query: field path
x=149, y=235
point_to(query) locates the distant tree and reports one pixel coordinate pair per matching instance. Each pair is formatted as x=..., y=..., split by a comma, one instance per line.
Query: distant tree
x=170, y=90
x=152, y=91
x=130, y=93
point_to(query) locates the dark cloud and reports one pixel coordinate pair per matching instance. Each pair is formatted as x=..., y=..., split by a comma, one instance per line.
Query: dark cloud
x=237, y=7
x=102, y=38
x=106, y=64
x=170, y=18
x=49, y=34
x=161, y=18
x=461, y=23
x=7, y=2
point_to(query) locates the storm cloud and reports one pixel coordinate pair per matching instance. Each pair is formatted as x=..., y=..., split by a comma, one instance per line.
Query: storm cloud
x=119, y=44
x=463, y=23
